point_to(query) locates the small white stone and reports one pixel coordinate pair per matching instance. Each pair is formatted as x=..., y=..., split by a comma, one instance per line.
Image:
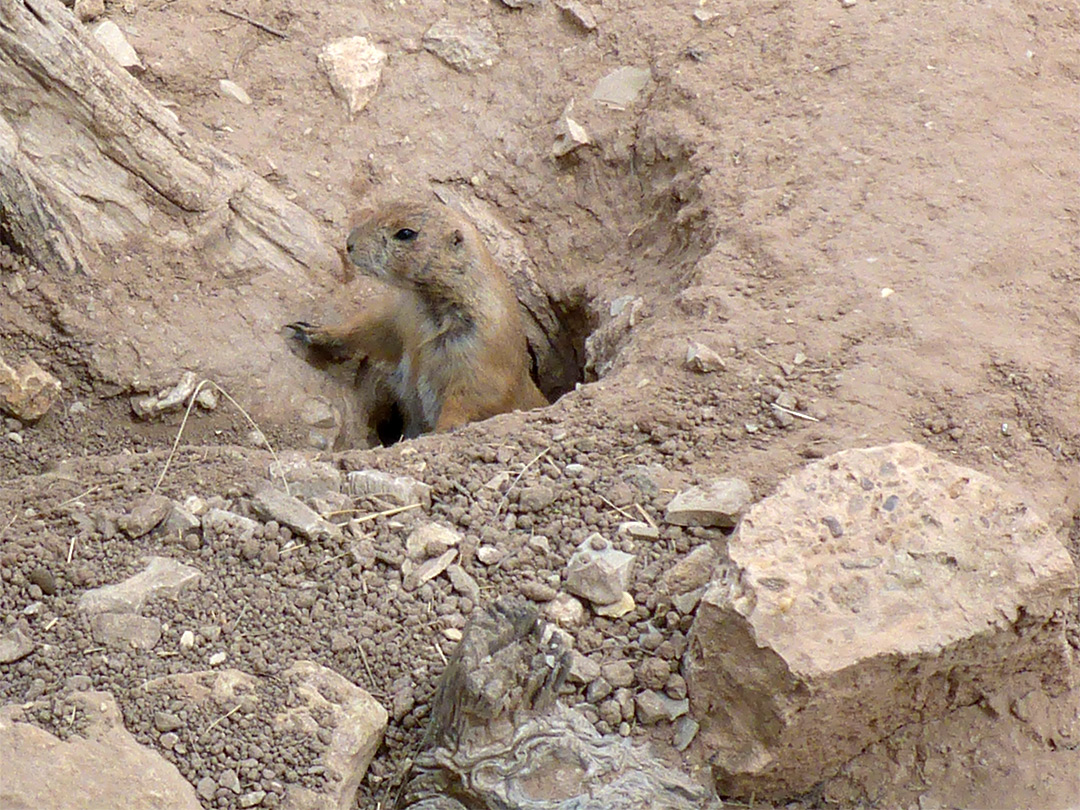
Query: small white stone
x=565, y=611
x=489, y=555
x=187, y=640
x=217, y=659
x=207, y=399
x=231, y=89
x=353, y=67
x=569, y=134
x=196, y=505
x=618, y=609
x=113, y=40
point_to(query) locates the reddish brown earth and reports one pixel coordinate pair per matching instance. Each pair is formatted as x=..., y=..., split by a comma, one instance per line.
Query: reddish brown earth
x=873, y=208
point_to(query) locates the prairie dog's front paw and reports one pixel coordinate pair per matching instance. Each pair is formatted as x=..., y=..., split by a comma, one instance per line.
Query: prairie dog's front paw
x=318, y=339
x=307, y=333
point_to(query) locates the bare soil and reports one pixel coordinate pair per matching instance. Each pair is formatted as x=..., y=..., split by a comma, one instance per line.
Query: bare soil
x=872, y=209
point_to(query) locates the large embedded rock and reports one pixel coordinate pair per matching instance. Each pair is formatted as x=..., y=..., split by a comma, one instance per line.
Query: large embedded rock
x=307, y=478
x=106, y=768
x=404, y=489
x=355, y=722
x=877, y=588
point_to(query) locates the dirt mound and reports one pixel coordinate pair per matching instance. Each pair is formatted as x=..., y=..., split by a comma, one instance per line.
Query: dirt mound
x=868, y=212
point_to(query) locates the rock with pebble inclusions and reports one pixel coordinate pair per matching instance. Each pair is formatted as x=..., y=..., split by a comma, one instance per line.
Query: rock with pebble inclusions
x=27, y=391
x=816, y=644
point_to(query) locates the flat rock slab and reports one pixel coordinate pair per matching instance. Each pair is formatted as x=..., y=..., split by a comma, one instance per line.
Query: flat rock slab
x=718, y=504
x=107, y=768
x=273, y=504
x=121, y=630
x=875, y=589
x=404, y=489
x=355, y=722
x=162, y=576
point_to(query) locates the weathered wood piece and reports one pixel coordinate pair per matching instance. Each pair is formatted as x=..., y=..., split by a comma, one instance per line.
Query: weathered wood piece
x=500, y=738
x=89, y=159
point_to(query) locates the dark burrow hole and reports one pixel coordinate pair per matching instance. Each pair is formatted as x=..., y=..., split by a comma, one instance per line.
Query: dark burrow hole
x=556, y=342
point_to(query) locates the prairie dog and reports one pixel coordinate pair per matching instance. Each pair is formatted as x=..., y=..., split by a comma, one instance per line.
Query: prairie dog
x=450, y=330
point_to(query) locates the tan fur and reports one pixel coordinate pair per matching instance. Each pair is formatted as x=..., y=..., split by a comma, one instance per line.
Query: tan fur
x=451, y=329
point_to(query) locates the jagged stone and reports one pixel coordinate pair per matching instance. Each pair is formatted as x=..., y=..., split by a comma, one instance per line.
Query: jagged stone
x=430, y=540
x=718, y=504
x=598, y=571
x=428, y=570
x=465, y=47
x=652, y=707
x=702, y=359
x=273, y=504
x=15, y=645
x=692, y=571
x=161, y=577
x=150, y=512
x=353, y=66
x=817, y=643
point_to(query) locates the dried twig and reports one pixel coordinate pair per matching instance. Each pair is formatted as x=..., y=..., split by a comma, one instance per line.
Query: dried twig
x=768, y=359
x=367, y=666
x=618, y=509
x=239, y=616
x=506, y=495
x=644, y=514
x=442, y=655
x=10, y=523
x=797, y=414
x=183, y=424
x=384, y=513
x=80, y=495
x=223, y=717
x=261, y=26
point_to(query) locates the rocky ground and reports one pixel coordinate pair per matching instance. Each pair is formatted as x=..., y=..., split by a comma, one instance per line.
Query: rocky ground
x=863, y=212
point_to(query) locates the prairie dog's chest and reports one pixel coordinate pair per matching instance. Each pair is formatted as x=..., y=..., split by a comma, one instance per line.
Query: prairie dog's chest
x=422, y=373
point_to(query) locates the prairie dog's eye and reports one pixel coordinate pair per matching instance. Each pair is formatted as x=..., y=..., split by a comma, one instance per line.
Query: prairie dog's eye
x=405, y=235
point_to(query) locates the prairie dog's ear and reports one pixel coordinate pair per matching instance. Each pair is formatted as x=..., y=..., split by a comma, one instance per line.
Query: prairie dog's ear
x=456, y=237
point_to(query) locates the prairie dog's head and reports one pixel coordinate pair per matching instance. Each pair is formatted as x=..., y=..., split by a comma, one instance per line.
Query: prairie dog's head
x=422, y=246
